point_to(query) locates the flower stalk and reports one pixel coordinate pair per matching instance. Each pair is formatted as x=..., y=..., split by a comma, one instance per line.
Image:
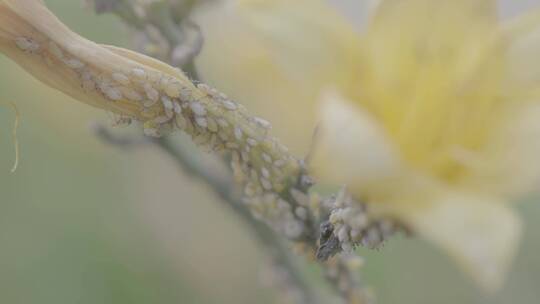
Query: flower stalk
x=163, y=99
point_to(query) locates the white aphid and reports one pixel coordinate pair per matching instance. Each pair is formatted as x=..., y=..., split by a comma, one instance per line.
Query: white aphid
x=139, y=73
x=201, y=121
x=27, y=44
x=74, y=63
x=229, y=105
x=252, y=142
x=177, y=108
x=120, y=78
x=238, y=134
x=197, y=108
x=167, y=102
x=222, y=122
x=267, y=158
x=262, y=123
x=265, y=172
x=112, y=93
x=151, y=93
x=266, y=184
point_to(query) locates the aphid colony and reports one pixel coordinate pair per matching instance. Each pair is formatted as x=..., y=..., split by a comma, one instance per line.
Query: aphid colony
x=164, y=103
x=352, y=225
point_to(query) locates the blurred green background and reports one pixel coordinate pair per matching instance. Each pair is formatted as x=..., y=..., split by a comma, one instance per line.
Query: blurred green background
x=82, y=222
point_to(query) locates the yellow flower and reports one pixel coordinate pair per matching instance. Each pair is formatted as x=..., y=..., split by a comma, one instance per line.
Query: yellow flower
x=431, y=115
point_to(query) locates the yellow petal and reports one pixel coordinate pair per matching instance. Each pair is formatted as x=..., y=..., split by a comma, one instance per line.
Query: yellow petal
x=508, y=165
x=481, y=233
x=433, y=78
x=351, y=147
x=275, y=57
x=523, y=74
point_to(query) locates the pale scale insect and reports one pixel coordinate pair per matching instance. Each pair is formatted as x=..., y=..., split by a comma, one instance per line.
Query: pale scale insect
x=27, y=44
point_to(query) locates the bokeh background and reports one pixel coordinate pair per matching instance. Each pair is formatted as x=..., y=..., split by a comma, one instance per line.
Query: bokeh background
x=83, y=222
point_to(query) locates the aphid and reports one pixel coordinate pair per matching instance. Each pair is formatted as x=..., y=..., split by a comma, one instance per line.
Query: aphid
x=265, y=172
x=343, y=234
x=232, y=145
x=131, y=94
x=74, y=63
x=238, y=133
x=148, y=103
x=181, y=122
x=197, y=108
x=229, y=105
x=173, y=89
x=267, y=158
x=139, y=73
x=120, y=78
x=222, y=122
x=177, y=108
x=167, y=102
x=212, y=125
x=252, y=142
x=201, y=121
x=266, y=184
x=162, y=119
x=113, y=93
x=151, y=93
x=262, y=123
x=27, y=44
x=279, y=163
